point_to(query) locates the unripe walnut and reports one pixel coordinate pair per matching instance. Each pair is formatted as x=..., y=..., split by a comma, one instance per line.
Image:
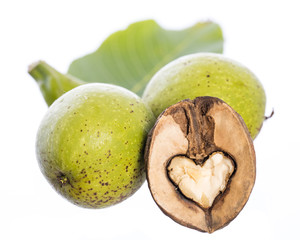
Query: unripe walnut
x=208, y=74
x=90, y=144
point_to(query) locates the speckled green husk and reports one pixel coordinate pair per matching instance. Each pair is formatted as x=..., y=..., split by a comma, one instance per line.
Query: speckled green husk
x=208, y=74
x=90, y=144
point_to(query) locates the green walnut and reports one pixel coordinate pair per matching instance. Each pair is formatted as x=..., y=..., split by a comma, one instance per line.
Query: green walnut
x=90, y=144
x=208, y=74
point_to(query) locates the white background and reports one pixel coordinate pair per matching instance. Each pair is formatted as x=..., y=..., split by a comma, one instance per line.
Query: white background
x=263, y=35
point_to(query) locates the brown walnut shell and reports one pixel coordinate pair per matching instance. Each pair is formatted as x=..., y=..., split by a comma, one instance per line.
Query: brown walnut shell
x=197, y=129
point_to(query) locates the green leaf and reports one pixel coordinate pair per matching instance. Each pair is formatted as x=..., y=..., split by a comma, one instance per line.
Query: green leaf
x=129, y=58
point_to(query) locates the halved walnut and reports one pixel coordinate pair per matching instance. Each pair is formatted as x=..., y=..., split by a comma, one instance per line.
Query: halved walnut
x=200, y=163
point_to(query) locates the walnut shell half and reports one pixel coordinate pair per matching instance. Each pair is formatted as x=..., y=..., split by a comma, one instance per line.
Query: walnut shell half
x=200, y=163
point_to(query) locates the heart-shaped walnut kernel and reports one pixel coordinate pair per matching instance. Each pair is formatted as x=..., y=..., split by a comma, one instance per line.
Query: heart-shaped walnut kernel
x=203, y=183
x=200, y=163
